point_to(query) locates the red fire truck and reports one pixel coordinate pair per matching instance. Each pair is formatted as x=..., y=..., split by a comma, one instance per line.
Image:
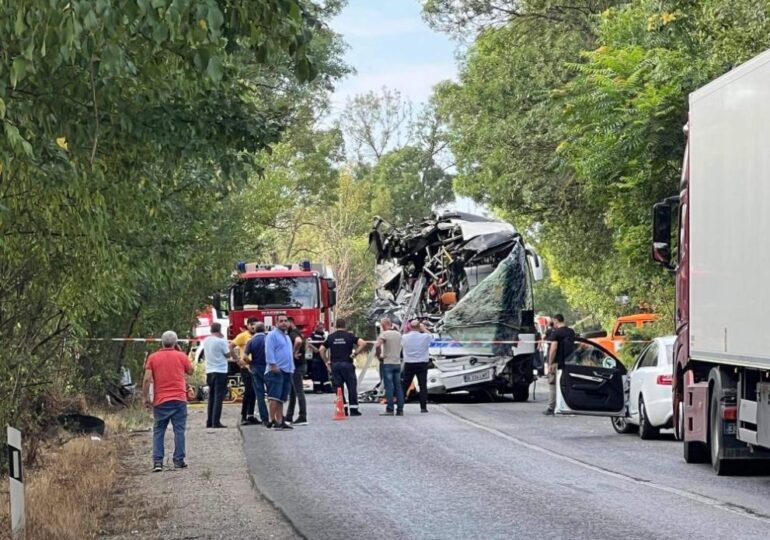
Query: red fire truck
x=305, y=291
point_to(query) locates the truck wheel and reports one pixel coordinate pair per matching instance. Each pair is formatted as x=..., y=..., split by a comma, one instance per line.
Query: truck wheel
x=721, y=465
x=646, y=430
x=520, y=392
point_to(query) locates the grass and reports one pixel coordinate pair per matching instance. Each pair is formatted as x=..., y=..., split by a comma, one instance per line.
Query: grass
x=71, y=488
x=66, y=496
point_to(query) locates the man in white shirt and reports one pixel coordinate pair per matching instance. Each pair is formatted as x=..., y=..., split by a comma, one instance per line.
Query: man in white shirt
x=217, y=353
x=415, y=345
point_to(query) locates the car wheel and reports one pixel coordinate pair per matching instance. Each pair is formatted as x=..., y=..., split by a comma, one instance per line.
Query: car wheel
x=621, y=425
x=679, y=419
x=646, y=430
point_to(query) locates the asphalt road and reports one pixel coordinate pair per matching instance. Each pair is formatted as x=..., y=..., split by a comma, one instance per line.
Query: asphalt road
x=493, y=470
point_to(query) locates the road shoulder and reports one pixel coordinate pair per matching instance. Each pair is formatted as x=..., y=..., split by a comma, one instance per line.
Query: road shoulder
x=213, y=498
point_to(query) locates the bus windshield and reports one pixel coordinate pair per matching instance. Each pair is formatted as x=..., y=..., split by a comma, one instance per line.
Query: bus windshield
x=279, y=292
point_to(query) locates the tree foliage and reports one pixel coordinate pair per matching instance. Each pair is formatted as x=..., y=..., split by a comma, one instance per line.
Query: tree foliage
x=127, y=127
x=403, y=153
x=568, y=118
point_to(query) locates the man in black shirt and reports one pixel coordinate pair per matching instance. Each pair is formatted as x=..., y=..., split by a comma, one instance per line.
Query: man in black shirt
x=298, y=377
x=318, y=371
x=561, y=344
x=338, y=351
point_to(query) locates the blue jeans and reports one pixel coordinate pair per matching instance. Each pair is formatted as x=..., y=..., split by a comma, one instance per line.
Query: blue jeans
x=391, y=374
x=258, y=376
x=278, y=385
x=176, y=412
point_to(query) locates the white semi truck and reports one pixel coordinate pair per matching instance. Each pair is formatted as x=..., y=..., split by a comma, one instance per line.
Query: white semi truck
x=721, y=379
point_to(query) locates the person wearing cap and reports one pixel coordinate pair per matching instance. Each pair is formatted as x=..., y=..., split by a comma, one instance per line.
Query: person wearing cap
x=165, y=370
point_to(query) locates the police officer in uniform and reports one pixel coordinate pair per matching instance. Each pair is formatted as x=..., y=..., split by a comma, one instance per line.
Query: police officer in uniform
x=338, y=352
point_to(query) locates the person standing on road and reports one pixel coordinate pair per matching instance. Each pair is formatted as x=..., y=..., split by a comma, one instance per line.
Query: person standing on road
x=279, y=353
x=338, y=351
x=318, y=371
x=298, y=377
x=255, y=349
x=249, y=398
x=217, y=353
x=416, y=346
x=389, y=352
x=561, y=344
x=165, y=370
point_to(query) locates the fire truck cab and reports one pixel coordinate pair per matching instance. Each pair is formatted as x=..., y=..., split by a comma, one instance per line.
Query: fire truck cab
x=305, y=291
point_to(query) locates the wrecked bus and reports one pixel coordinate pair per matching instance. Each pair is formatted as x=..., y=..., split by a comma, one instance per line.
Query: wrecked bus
x=471, y=278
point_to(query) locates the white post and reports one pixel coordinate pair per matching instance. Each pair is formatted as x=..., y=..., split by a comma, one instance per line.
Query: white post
x=16, y=478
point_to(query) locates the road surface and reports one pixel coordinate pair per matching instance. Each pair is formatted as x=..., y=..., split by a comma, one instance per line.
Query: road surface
x=493, y=470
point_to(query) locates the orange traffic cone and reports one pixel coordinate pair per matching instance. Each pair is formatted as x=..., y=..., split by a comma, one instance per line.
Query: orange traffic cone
x=339, y=407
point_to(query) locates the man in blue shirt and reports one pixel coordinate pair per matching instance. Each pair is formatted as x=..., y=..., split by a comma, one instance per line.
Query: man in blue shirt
x=256, y=349
x=279, y=354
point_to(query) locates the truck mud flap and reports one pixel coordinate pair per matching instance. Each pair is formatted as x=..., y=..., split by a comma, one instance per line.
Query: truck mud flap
x=696, y=398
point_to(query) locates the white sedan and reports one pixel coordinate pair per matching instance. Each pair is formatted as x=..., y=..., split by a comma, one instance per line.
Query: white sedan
x=649, y=406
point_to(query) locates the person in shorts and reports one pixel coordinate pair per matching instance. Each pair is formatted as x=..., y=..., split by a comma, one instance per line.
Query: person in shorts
x=279, y=354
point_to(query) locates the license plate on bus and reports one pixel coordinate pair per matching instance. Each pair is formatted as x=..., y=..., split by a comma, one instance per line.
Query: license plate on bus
x=730, y=428
x=480, y=376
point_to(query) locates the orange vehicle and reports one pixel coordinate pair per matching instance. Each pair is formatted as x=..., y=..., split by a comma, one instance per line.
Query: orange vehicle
x=623, y=325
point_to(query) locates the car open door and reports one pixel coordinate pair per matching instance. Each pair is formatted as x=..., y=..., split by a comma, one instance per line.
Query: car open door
x=591, y=382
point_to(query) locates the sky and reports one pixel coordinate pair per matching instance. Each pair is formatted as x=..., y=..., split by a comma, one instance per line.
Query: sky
x=390, y=45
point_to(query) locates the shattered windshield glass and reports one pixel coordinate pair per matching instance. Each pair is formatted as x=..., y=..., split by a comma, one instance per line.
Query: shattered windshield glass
x=493, y=310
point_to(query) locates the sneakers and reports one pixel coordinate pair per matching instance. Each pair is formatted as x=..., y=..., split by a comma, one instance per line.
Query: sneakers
x=249, y=421
x=423, y=410
x=399, y=413
x=387, y=413
x=269, y=424
x=180, y=465
x=157, y=467
x=355, y=412
x=283, y=427
x=301, y=421
x=548, y=412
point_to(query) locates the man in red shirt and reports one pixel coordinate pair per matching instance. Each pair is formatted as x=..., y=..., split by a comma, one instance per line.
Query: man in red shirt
x=165, y=370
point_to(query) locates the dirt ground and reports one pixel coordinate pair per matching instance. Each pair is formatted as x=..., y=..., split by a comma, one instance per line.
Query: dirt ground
x=212, y=499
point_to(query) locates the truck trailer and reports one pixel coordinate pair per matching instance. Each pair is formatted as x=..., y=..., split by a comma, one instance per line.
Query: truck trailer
x=711, y=236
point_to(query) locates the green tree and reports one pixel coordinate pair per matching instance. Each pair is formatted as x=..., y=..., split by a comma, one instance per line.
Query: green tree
x=126, y=127
x=403, y=153
x=568, y=118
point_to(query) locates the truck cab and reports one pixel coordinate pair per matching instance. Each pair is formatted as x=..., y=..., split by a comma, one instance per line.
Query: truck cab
x=620, y=330
x=305, y=292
